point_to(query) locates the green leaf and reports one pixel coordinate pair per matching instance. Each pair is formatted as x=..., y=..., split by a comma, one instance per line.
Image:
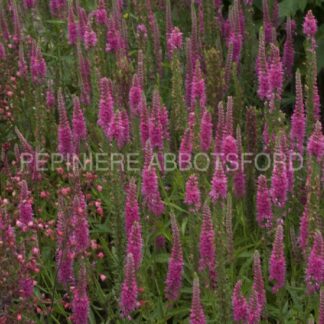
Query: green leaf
x=290, y=7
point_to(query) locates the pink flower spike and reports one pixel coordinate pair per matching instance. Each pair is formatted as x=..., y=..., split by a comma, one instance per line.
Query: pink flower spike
x=219, y=183
x=65, y=146
x=135, y=244
x=315, y=146
x=197, y=315
x=129, y=291
x=206, y=131
x=80, y=303
x=263, y=203
x=315, y=265
x=239, y=304
x=78, y=121
x=310, y=24
x=258, y=283
x=298, y=119
x=207, y=246
x=174, y=40
x=175, y=269
x=131, y=206
x=277, y=262
x=192, y=194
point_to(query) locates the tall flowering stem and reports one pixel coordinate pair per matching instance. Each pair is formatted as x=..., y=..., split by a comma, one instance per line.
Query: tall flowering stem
x=277, y=261
x=298, y=119
x=135, y=243
x=315, y=265
x=207, y=250
x=197, y=315
x=129, y=291
x=175, y=268
x=80, y=303
x=258, y=283
x=65, y=146
x=263, y=203
x=239, y=303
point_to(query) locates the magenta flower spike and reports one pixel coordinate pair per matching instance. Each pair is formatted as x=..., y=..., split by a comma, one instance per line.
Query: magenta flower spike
x=89, y=37
x=73, y=32
x=150, y=184
x=164, y=121
x=156, y=132
x=258, y=283
x=129, y=291
x=310, y=24
x=239, y=303
x=263, y=203
x=80, y=302
x=65, y=146
x=289, y=51
x=198, y=92
x=229, y=149
x=298, y=119
x=101, y=13
x=262, y=69
x=173, y=281
x=185, y=150
x=135, y=96
x=57, y=7
x=80, y=223
x=192, y=194
x=228, y=127
x=206, y=131
x=219, y=183
x=38, y=67
x=277, y=261
x=174, y=41
x=267, y=24
x=197, y=315
x=25, y=205
x=254, y=309
x=207, y=250
x=236, y=31
x=135, y=243
x=131, y=206
x=29, y=4
x=78, y=121
x=106, y=105
x=275, y=74
x=315, y=145
x=315, y=265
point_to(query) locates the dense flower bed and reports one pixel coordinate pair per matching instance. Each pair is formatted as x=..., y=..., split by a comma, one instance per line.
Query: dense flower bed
x=162, y=162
